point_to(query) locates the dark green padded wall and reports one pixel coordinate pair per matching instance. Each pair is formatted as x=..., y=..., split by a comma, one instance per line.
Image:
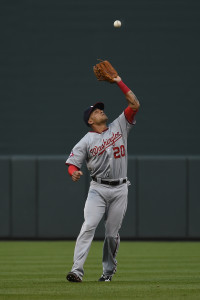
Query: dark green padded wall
x=162, y=197
x=24, y=193
x=5, y=197
x=39, y=200
x=47, y=52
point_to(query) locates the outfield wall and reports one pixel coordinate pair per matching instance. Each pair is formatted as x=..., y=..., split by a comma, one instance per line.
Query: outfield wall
x=39, y=200
x=48, y=50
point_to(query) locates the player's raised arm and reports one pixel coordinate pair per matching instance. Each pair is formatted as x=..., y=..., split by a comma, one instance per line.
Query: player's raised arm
x=104, y=71
x=130, y=96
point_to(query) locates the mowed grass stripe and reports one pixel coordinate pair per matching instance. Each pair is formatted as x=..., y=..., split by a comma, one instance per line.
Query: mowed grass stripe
x=146, y=270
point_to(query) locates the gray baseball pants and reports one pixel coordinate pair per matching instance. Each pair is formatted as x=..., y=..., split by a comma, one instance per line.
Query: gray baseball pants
x=111, y=201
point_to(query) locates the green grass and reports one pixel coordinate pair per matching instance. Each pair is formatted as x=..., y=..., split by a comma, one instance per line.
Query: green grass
x=146, y=270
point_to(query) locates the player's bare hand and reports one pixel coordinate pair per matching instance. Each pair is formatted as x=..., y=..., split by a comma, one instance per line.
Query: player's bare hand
x=76, y=175
x=117, y=79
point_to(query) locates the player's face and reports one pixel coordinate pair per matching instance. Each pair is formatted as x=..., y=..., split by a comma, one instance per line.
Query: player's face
x=97, y=117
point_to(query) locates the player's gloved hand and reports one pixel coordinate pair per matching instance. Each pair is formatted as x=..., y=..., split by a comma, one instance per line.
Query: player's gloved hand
x=76, y=175
x=105, y=71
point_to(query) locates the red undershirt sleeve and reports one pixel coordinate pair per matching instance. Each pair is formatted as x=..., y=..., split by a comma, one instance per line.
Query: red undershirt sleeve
x=129, y=114
x=71, y=169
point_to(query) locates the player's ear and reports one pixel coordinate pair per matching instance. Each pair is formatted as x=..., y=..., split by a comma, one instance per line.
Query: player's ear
x=90, y=122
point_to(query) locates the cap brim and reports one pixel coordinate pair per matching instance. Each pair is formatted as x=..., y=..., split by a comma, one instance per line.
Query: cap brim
x=99, y=105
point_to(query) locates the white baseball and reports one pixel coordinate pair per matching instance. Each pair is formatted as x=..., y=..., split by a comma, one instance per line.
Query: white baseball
x=117, y=24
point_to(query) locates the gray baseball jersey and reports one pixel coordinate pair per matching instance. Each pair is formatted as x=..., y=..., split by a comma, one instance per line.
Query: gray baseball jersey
x=106, y=153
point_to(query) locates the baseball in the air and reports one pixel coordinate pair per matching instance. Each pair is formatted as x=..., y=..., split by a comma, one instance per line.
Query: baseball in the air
x=117, y=24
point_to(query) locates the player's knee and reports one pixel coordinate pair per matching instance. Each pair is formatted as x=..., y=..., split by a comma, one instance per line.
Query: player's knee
x=90, y=226
x=111, y=231
x=110, y=236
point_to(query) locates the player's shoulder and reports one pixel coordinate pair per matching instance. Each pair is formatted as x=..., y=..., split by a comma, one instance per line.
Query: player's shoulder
x=83, y=140
x=90, y=135
x=85, y=137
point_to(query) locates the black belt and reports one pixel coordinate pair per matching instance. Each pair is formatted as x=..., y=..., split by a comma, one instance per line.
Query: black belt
x=114, y=182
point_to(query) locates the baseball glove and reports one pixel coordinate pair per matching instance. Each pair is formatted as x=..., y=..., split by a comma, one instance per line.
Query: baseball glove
x=105, y=71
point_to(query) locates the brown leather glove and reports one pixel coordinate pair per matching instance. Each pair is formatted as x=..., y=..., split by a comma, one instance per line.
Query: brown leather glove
x=105, y=71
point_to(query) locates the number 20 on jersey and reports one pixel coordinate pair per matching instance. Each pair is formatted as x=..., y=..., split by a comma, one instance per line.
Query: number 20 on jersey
x=119, y=151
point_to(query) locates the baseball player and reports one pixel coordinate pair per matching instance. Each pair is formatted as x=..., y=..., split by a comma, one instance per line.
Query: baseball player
x=104, y=148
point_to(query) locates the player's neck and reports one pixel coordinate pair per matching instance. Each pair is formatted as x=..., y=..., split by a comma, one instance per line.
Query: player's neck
x=99, y=128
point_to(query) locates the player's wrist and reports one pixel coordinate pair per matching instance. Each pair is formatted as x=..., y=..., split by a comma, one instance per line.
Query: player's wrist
x=117, y=79
x=123, y=87
x=72, y=169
